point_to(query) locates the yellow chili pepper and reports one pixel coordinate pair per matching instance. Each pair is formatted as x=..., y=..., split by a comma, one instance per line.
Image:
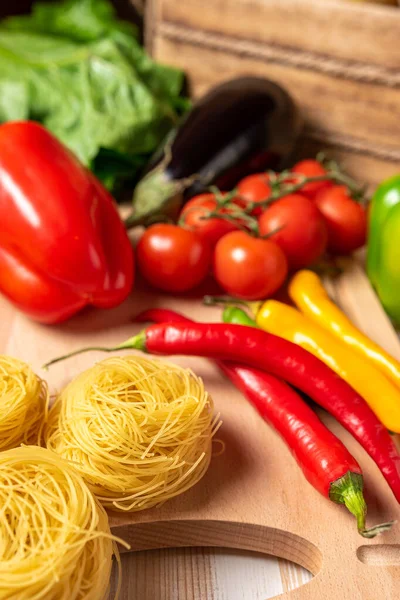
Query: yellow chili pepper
x=380, y=393
x=308, y=293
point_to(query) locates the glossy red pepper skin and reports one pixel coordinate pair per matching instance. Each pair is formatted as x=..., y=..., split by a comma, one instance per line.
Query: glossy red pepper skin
x=261, y=350
x=322, y=457
x=62, y=243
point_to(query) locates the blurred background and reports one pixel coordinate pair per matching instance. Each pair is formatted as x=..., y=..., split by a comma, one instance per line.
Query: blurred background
x=132, y=10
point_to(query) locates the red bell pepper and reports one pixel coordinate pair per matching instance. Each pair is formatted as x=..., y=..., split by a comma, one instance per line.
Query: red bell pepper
x=62, y=243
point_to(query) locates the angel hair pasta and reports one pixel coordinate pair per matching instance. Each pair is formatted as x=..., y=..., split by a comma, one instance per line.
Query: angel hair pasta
x=23, y=403
x=139, y=430
x=55, y=540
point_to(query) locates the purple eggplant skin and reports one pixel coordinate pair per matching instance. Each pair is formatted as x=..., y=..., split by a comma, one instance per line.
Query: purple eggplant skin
x=242, y=126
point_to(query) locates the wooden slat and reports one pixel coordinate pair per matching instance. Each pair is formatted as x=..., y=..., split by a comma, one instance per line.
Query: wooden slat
x=348, y=32
x=340, y=61
x=368, y=111
x=354, y=108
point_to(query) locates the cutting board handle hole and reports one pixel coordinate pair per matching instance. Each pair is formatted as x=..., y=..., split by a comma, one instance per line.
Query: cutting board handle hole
x=224, y=534
x=380, y=555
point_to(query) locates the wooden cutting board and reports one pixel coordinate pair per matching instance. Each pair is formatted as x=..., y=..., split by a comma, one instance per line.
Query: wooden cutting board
x=254, y=496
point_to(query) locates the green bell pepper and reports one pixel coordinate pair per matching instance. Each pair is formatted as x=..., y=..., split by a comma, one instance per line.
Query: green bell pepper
x=383, y=253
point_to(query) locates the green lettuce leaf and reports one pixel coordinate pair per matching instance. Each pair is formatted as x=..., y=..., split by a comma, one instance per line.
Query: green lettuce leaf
x=81, y=72
x=78, y=20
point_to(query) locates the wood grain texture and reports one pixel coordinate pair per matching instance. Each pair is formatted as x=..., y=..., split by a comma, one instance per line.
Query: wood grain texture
x=326, y=121
x=253, y=496
x=369, y=112
x=329, y=55
x=303, y=25
x=206, y=574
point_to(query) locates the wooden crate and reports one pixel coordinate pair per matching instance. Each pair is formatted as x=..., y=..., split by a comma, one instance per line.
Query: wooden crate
x=339, y=60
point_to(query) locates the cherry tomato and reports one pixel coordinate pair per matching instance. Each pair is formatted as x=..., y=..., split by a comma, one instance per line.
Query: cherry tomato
x=255, y=188
x=300, y=229
x=247, y=267
x=311, y=168
x=346, y=220
x=172, y=258
x=194, y=217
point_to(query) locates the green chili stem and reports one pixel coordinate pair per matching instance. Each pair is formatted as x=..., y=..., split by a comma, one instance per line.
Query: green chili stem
x=137, y=342
x=237, y=316
x=223, y=300
x=348, y=490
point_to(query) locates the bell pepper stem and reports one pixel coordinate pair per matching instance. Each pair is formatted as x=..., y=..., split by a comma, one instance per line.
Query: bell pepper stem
x=348, y=490
x=137, y=342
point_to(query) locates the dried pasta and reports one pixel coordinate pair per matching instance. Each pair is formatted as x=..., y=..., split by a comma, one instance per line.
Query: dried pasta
x=55, y=540
x=139, y=430
x=23, y=404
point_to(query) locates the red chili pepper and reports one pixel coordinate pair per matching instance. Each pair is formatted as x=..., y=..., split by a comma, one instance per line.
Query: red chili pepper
x=325, y=461
x=62, y=243
x=315, y=448
x=270, y=353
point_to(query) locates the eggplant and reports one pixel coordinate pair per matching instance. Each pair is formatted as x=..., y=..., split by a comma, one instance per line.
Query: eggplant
x=243, y=126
